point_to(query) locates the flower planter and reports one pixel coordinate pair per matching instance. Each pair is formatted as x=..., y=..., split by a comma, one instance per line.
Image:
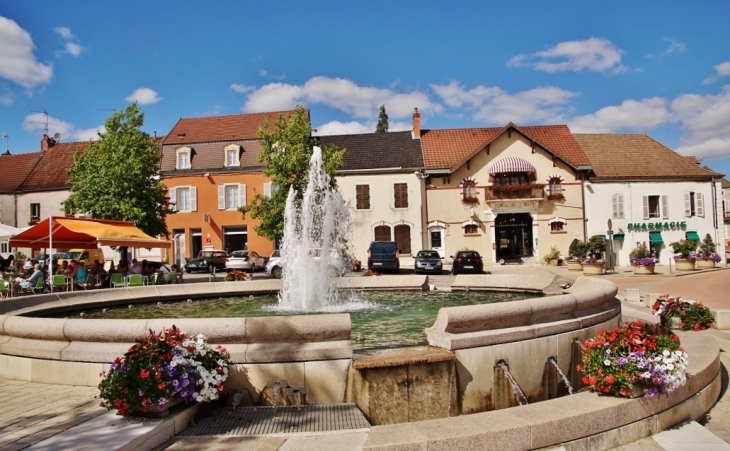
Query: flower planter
x=574, y=265
x=644, y=269
x=593, y=268
x=674, y=323
x=704, y=264
x=152, y=411
x=685, y=265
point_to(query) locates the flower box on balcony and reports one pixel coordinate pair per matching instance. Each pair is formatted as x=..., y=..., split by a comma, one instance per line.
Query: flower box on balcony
x=556, y=196
x=470, y=200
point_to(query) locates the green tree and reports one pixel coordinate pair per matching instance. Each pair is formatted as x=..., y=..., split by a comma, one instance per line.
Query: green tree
x=117, y=177
x=287, y=150
x=382, y=126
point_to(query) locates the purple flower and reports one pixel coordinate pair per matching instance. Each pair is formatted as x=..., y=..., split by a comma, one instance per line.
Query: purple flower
x=622, y=361
x=140, y=392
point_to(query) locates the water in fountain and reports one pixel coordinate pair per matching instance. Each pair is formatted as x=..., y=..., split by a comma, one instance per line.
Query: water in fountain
x=554, y=362
x=314, y=245
x=519, y=394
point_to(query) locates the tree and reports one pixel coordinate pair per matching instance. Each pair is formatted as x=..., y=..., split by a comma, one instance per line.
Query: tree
x=117, y=177
x=382, y=126
x=287, y=150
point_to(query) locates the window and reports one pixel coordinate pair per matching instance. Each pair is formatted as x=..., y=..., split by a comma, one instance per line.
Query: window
x=402, y=234
x=557, y=224
x=231, y=196
x=617, y=206
x=184, y=198
x=555, y=186
x=183, y=156
x=726, y=208
x=35, y=214
x=382, y=233
x=471, y=229
x=469, y=190
x=232, y=154
x=694, y=204
x=511, y=179
x=362, y=195
x=270, y=189
x=656, y=207
x=401, y=195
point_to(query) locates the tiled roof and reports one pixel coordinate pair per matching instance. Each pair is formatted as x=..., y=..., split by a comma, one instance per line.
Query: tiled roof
x=50, y=172
x=220, y=128
x=388, y=150
x=210, y=157
x=15, y=169
x=637, y=156
x=451, y=148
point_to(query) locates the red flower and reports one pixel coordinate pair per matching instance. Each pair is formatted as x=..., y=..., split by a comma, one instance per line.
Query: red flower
x=219, y=370
x=578, y=367
x=610, y=379
x=144, y=374
x=592, y=380
x=161, y=385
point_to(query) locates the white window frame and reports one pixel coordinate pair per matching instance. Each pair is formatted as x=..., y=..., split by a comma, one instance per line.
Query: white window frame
x=663, y=206
x=694, y=204
x=229, y=149
x=175, y=196
x=617, y=206
x=558, y=220
x=223, y=203
x=184, y=151
x=269, y=189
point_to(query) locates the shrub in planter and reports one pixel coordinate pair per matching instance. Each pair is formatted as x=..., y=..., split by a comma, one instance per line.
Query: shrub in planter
x=684, y=249
x=707, y=250
x=692, y=314
x=641, y=256
x=627, y=358
x=554, y=254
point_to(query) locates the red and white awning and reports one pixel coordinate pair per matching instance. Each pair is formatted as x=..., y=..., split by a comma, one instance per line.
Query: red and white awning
x=511, y=164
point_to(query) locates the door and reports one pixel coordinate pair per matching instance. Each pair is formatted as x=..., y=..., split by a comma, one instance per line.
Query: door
x=179, y=251
x=436, y=240
x=196, y=242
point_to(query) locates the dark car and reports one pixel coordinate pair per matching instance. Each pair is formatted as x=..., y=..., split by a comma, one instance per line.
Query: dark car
x=467, y=261
x=207, y=260
x=428, y=261
x=383, y=255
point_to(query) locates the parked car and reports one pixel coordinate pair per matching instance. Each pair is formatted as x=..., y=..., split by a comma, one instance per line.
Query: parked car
x=467, y=261
x=207, y=260
x=383, y=255
x=247, y=260
x=273, y=266
x=428, y=261
x=339, y=261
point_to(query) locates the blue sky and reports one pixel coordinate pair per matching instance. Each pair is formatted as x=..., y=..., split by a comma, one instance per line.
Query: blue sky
x=655, y=67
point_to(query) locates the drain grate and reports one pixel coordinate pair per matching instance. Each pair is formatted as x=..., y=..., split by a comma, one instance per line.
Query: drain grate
x=286, y=420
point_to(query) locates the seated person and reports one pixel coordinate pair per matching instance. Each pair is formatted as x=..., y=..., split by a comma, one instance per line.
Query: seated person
x=79, y=272
x=164, y=269
x=63, y=269
x=136, y=267
x=28, y=282
x=73, y=268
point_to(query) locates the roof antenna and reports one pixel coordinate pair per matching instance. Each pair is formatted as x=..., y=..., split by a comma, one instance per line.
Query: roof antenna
x=6, y=137
x=45, y=122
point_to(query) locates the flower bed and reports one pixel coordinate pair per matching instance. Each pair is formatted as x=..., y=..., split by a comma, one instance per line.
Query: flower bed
x=642, y=256
x=235, y=275
x=692, y=314
x=627, y=358
x=163, y=368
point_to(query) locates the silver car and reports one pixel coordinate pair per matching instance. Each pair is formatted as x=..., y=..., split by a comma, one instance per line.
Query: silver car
x=246, y=260
x=273, y=267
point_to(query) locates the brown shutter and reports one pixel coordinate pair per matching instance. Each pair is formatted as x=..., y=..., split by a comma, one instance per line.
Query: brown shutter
x=362, y=193
x=401, y=195
x=403, y=238
x=382, y=233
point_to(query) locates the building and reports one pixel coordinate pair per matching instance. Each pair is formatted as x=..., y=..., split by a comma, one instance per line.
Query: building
x=650, y=193
x=210, y=167
x=15, y=169
x=511, y=193
x=382, y=179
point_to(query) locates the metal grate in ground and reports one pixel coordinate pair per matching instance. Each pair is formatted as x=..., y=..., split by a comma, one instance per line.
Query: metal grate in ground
x=286, y=420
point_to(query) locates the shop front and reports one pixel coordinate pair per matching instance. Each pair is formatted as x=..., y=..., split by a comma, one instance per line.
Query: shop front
x=513, y=236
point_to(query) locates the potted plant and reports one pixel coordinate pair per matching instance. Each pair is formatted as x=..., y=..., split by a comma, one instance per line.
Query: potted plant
x=552, y=258
x=235, y=275
x=576, y=251
x=707, y=257
x=556, y=196
x=629, y=362
x=162, y=370
x=676, y=313
x=593, y=262
x=684, y=254
x=642, y=259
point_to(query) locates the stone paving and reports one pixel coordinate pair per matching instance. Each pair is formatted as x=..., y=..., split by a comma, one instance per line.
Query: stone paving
x=32, y=412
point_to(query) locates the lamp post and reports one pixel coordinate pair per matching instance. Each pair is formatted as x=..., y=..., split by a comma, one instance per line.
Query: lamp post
x=609, y=252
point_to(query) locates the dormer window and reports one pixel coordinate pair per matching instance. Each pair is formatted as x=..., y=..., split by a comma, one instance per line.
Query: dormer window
x=232, y=156
x=183, y=158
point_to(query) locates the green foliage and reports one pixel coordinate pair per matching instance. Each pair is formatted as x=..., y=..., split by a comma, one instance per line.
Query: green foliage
x=596, y=246
x=684, y=247
x=576, y=248
x=117, y=176
x=287, y=150
x=554, y=254
x=707, y=245
x=382, y=126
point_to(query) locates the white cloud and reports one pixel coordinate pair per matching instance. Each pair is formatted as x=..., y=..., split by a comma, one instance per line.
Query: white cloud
x=594, y=54
x=704, y=118
x=242, y=89
x=344, y=128
x=494, y=105
x=263, y=72
x=144, y=96
x=88, y=134
x=72, y=49
x=64, y=32
x=6, y=98
x=17, y=62
x=341, y=94
x=630, y=115
x=710, y=149
x=36, y=122
x=674, y=46
x=721, y=70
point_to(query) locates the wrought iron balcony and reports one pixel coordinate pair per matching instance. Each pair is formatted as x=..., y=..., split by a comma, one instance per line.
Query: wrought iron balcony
x=528, y=191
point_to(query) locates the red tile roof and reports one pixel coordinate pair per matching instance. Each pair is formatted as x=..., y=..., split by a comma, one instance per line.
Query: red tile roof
x=15, y=169
x=638, y=156
x=220, y=128
x=451, y=148
x=50, y=172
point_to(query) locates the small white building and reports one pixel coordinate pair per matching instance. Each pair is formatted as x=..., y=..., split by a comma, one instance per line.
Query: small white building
x=650, y=193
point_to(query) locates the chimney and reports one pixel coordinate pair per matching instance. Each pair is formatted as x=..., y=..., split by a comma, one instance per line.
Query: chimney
x=416, y=123
x=47, y=142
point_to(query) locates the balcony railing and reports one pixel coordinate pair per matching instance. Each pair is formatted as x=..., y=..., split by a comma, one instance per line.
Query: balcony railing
x=515, y=192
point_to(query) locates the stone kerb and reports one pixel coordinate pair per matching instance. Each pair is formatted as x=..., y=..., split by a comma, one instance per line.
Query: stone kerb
x=607, y=420
x=529, y=283
x=590, y=302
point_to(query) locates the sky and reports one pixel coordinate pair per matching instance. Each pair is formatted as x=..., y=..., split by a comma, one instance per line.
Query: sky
x=655, y=67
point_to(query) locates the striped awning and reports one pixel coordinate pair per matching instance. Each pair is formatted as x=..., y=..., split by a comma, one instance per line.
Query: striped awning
x=511, y=164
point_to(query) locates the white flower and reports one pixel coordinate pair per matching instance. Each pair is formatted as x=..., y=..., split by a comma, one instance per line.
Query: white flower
x=607, y=362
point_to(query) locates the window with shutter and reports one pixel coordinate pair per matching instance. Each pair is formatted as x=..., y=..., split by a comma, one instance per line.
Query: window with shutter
x=402, y=234
x=665, y=207
x=172, y=192
x=617, y=206
x=221, y=197
x=242, y=200
x=382, y=233
x=646, y=207
x=700, y=203
x=688, y=204
x=267, y=189
x=193, y=198
x=231, y=196
x=362, y=195
x=401, y=195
